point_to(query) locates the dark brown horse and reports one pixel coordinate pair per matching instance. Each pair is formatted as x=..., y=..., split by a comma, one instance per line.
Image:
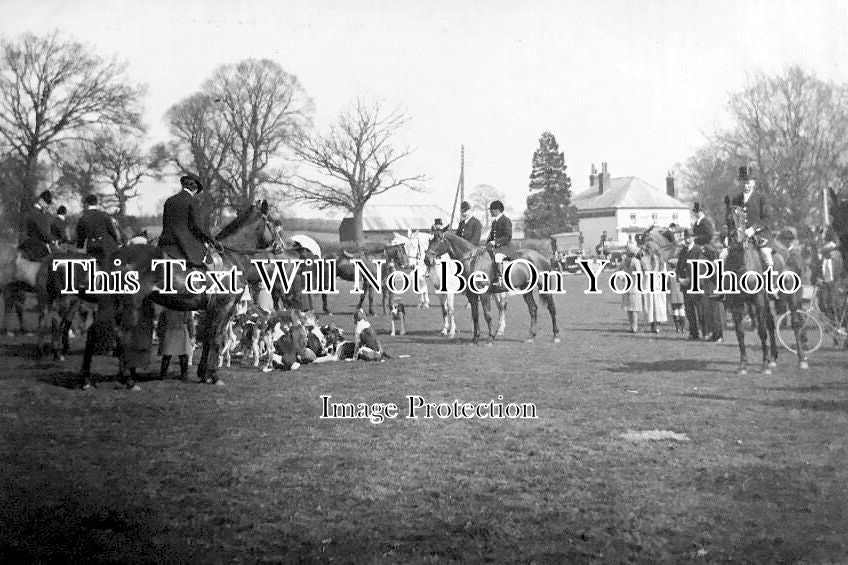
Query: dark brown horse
x=478, y=259
x=249, y=237
x=743, y=257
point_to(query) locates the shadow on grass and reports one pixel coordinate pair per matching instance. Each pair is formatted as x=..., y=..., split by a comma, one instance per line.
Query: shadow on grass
x=674, y=365
x=810, y=388
x=71, y=380
x=804, y=404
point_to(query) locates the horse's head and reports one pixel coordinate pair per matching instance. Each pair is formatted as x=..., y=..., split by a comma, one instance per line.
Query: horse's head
x=396, y=254
x=252, y=229
x=438, y=246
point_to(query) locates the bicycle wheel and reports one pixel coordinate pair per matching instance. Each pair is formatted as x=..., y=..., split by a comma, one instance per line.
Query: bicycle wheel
x=811, y=332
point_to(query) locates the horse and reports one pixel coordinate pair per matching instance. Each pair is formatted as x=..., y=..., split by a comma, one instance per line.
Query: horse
x=394, y=257
x=665, y=240
x=742, y=256
x=474, y=259
x=416, y=248
x=248, y=237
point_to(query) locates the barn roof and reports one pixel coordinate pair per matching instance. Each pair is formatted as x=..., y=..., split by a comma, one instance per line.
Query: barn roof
x=400, y=217
x=626, y=192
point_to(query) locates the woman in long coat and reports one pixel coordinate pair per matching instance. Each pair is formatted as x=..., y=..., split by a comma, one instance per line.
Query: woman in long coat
x=654, y=302
x=175, y=338
x=631, y=302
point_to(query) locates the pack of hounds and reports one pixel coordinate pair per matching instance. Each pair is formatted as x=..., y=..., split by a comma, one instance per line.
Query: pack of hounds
x=287, y=339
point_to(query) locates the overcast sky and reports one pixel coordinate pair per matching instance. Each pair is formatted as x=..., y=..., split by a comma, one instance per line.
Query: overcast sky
x=635, y=84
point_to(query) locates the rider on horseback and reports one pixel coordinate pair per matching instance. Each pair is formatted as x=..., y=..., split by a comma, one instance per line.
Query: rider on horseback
x=757, y=214
x=499, y=242
x=97, y=232
x=38, y=231
x=183, y=235
x=469, y=227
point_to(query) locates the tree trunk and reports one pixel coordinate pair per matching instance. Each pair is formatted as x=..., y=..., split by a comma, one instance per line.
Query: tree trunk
x=358, y=234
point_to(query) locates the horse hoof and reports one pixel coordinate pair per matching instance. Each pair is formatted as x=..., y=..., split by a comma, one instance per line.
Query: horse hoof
x=772, y=364
x=501, y=333
x=767, y=371
x=134, y=388
x=218, y=382
x=528, y=340
x=742, y=372
x=61, y=358
x=557, y=340
x=803, y=365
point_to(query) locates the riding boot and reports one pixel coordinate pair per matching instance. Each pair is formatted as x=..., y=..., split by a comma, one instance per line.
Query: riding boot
x=163, y=368
x=183, y=367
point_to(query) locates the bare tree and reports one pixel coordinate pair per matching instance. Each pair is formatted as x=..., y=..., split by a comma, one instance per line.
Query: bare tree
x=481, y=196
x=355, y=159
x=794, y=127
x=52, y=89
x=112, y=158
x=711, y=175
x=202, y=143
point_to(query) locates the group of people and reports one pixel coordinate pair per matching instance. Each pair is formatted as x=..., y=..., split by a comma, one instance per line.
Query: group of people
x=703, y=315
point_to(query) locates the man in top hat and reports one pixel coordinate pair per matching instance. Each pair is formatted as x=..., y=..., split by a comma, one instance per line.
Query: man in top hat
x=757, y=214
x=702, y=227
x=183, y=235
x=38, y=232
x=499, y=242
x=97, y=232
x=683, y=273
x=469, y=227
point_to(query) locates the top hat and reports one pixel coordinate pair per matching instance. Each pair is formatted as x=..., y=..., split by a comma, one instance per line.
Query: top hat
x=464, y=207
x=189, y=177
x=746, y=174
x=696, y=207
x=437, y=223
x=688, y=232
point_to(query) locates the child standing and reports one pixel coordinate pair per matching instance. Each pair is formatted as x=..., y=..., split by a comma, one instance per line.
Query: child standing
x=175, y=338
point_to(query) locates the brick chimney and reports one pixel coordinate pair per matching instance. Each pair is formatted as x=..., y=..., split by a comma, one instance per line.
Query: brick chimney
x=603, y=179
x=669, y=184
x=593, y=176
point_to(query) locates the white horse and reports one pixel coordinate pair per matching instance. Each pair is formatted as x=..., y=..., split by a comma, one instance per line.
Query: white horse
x=416, y=244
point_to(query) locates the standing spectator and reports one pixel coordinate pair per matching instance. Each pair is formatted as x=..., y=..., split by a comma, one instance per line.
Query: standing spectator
x=60, y=226
x=702, y=227
x=678, y=314
x=831, y=271
x=712, y=306
x=691, y=302
x=632, y=301
x=654, y=299
x=601, y=248
x=174, y=331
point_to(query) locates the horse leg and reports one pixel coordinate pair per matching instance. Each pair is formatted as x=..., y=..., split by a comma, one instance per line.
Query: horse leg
x=445, y=318
x=799, y=341
x=738, y=321
x=324, y=303
x=500, y=302
x=475, y=312
x=450, y=302
x=772, y=337
x=549, y=300
x=370, y=301
x=88, y=354
x=762, y=332
x=486, y=301
x=534, y=311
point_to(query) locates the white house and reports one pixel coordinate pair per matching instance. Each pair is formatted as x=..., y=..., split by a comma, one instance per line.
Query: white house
x=624, y=206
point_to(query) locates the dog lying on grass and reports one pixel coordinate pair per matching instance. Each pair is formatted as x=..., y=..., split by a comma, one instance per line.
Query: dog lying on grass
x=365, y=345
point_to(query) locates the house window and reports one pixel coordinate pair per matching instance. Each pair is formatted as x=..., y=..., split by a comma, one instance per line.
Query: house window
x=674, y=216
x=654, y=217
x=632, y=219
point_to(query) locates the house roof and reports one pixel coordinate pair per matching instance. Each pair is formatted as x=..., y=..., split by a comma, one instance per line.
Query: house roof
x=400, y=217
x=626, y=192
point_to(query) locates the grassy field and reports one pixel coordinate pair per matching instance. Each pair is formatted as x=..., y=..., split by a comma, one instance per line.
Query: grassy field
x=249, y=472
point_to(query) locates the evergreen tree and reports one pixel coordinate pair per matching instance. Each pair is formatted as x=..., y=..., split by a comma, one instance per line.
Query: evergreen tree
x=549, y=208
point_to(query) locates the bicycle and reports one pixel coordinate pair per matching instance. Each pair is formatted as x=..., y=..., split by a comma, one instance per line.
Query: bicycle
x=815, y=325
